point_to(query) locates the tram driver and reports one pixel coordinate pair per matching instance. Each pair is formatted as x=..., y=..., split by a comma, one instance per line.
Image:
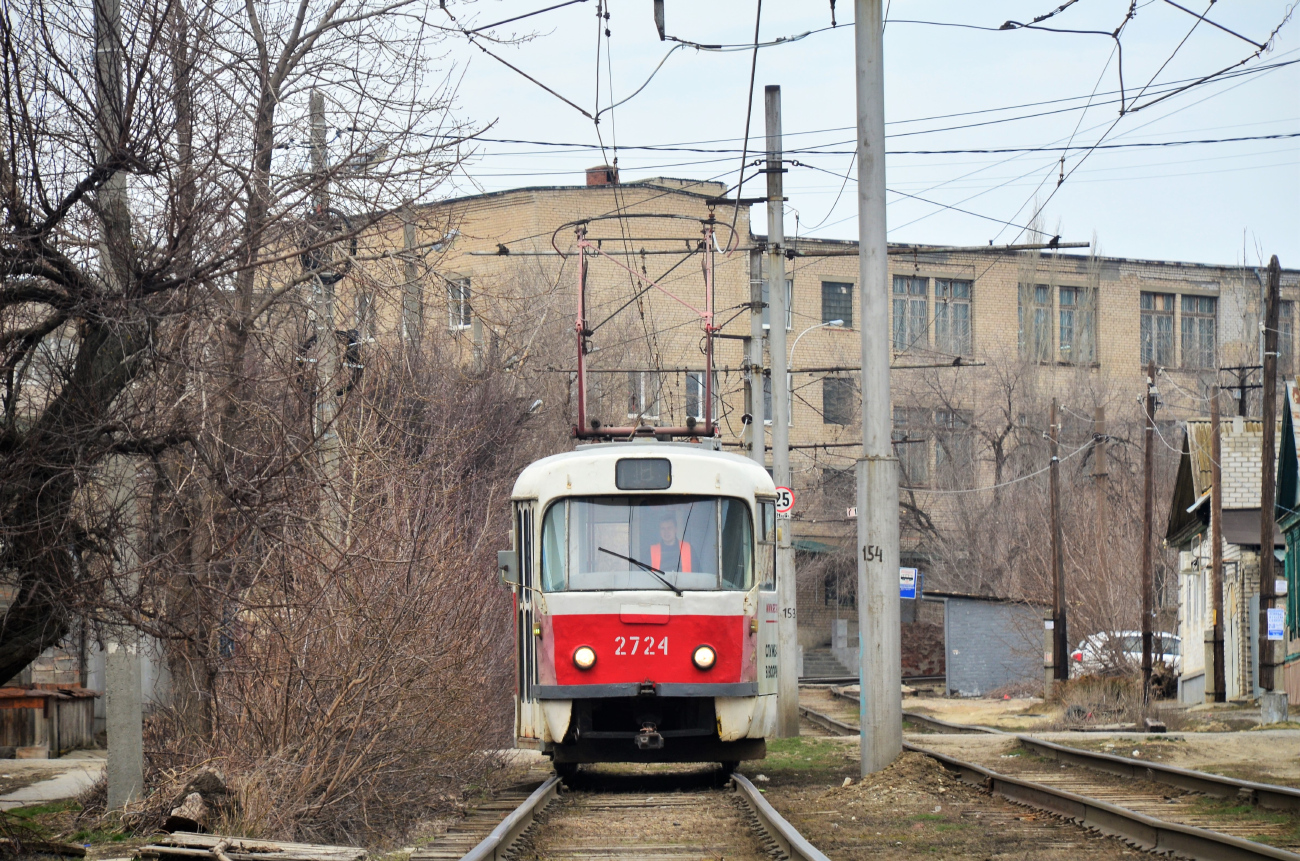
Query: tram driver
x=678, y=557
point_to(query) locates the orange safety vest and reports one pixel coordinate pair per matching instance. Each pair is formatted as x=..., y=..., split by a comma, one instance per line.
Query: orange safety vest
x=656, y=556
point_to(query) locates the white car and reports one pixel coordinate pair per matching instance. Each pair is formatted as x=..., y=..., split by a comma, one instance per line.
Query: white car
x=1110, y=652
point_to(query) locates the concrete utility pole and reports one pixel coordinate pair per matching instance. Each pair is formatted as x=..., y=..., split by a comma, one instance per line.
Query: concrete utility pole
x=327, y=355
x=787, y=625
x=1216, y=678
x=122, y=701
x=1060, y=645
x=879, y=651
x=1268, y=474
x=1148, y=515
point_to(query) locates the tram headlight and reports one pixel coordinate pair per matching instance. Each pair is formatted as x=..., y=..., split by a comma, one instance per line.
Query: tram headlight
x=704, y=657
x=584, y=657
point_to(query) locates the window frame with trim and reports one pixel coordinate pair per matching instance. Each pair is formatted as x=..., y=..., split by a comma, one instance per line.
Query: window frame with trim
x=460, y=310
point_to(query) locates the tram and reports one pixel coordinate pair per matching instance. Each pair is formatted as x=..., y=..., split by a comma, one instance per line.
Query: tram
x=645, y=601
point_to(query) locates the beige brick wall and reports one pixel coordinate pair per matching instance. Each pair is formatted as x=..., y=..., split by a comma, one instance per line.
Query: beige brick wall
x=526, y=306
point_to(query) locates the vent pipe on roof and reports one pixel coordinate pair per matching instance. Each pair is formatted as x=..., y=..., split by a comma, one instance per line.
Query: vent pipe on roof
x=604, y=174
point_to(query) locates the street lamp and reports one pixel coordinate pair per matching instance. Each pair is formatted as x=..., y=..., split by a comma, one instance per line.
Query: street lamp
x=789, y=375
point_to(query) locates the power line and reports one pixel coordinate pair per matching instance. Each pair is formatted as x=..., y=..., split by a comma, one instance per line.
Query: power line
x=749, y=112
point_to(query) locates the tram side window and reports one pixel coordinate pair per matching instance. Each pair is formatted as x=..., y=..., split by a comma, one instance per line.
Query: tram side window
x=737, y=541
x=554, y=528
x=767, y=546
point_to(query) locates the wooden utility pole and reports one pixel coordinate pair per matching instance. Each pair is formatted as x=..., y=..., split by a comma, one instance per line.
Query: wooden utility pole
x=1219, y=678
x=880, y=707
x=1100, y=475
x=1148, y=515
x=1060, y=646
x=1268, y=474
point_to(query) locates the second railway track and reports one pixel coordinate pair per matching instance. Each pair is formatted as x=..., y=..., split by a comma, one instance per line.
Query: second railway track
x=1150, y=806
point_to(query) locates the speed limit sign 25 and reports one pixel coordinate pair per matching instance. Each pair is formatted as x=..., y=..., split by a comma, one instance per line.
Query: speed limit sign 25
x=784, y=500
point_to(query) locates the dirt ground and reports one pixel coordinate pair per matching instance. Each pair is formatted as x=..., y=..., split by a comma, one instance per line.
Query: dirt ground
x=909, y=809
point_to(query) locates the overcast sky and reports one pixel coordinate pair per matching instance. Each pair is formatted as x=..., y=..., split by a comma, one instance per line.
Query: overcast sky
x=1196, y=202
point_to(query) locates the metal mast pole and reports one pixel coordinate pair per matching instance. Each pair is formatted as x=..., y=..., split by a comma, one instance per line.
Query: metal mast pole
x=879, y=649
x=787, y=630
x=757, y=434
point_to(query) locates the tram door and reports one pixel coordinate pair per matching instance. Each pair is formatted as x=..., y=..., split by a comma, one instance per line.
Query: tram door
x=768, y=605
x=528, y=716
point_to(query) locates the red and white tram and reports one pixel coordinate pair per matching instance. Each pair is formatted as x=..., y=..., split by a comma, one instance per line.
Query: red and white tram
x=645, y=597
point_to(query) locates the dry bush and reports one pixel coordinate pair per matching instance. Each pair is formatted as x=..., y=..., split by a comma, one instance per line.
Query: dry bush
x=1098, y=700
x=351, y=674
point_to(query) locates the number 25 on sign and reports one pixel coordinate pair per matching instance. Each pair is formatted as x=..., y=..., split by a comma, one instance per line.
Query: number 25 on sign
x=873, y=553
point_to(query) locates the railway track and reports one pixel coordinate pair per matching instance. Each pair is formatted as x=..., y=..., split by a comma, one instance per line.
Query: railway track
x=1191, y=814
x=649, y=818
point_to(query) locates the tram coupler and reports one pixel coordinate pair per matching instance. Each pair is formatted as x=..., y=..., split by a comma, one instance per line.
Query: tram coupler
x=649, y=738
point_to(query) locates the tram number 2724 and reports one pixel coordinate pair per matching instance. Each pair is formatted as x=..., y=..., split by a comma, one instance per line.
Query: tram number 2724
x=648, y=649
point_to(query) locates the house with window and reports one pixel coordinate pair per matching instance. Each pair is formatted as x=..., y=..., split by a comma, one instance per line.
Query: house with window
x=1188, y=531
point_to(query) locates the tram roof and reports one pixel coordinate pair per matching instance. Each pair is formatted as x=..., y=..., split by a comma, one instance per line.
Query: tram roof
x=694, y=466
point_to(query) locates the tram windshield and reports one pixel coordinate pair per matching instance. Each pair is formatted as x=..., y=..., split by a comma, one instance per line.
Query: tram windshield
x=662, y=543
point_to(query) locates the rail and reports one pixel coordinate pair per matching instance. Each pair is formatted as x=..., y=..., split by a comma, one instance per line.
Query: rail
x=1145, y=831
x=794, y=844
x=1264, y=794
x=495, y=846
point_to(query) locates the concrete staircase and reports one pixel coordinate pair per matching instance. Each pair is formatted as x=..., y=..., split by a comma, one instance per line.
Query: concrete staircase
x=821, y=663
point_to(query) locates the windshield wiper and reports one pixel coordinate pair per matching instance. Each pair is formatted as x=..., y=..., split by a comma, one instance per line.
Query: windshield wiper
x=655, y=571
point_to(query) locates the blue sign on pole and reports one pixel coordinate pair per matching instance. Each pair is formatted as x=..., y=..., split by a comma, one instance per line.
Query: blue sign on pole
x=907, y=578
x=1276, y=621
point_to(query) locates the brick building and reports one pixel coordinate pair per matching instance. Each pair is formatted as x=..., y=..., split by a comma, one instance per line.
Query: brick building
x=501, y=282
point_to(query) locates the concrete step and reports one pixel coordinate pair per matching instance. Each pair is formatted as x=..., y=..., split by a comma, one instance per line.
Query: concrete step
x=822, y=663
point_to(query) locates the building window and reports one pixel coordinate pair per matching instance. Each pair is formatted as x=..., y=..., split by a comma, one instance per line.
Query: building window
x=837, y=302
x=642, y=395
x=1077, y=331
x=695, y=395
x=1286, y=338
x=1198, y=331
x=1036, y=322
x=954, y=453
x=1157, y=328
x=952, y=332
x=912, y=446
x=789, y=305
x=911, y=318
x=459, y=314
x=839, y=397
